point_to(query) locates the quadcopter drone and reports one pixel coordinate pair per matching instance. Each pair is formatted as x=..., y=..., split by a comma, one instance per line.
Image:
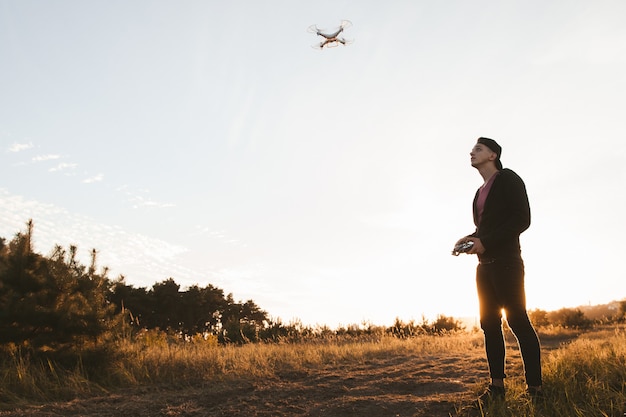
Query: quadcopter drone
x=331, y=39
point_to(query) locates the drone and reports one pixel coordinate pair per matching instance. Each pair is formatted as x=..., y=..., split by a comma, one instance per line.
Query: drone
x=331, y=39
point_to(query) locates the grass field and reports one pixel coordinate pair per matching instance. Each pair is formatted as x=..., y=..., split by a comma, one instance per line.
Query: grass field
x=585, y=375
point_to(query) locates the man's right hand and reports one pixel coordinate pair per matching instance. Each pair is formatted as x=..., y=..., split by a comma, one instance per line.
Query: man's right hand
x=478, y=248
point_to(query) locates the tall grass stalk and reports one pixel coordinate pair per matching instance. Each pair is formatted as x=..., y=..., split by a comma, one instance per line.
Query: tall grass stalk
x=23, y=379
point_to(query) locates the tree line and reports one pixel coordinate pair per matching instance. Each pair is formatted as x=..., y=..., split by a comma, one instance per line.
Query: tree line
x=55, y=303
x=197, y=310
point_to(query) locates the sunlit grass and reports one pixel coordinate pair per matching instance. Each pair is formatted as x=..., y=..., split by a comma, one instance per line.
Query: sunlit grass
x=583, y=377
x=202, y=361
x=155, y=360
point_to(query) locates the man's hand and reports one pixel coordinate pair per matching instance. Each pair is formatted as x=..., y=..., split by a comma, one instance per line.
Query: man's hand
x=462, y=240
x=478, y=248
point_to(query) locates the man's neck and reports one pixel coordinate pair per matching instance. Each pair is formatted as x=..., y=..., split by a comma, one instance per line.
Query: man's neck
x=487, y=172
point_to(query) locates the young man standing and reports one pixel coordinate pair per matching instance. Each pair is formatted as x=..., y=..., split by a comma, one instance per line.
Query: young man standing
x=501, y=214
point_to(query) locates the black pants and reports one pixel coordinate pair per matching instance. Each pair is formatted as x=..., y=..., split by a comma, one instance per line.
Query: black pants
x=501, y=286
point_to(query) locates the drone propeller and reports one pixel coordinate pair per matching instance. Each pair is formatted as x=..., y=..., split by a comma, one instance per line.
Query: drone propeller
x=345, y=24
x=313, y=29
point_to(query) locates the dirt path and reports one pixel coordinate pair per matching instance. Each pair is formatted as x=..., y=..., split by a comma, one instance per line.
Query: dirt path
x=386, y=386
x=403, y=386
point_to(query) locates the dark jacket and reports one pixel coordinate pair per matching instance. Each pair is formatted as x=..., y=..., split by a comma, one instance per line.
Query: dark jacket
x=505, y=216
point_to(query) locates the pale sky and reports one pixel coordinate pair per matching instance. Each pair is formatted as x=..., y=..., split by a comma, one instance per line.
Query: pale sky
x=208, y=142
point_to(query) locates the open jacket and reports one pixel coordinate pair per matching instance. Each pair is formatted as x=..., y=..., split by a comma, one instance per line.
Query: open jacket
x=505, y=216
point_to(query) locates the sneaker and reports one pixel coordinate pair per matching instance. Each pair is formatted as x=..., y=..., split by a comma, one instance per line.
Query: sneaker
x=535, y=393
x=492, y=393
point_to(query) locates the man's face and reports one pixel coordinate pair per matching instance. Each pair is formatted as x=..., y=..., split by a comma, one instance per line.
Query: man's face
x=481, y=154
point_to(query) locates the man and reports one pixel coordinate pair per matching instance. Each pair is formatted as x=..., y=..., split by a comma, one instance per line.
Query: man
x=501, y=214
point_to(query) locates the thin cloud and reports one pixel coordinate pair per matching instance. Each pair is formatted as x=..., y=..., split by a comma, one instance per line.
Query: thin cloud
x=63, y=167
x=141, y=258
x=95, y=178
x=49, y=157
x=218, y=235
x=138, y=202
x=18, y=147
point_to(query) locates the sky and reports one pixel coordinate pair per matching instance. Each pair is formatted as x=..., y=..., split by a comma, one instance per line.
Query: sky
x=209, y=142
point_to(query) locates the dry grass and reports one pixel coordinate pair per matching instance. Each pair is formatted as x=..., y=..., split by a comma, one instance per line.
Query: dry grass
x=163, y=362
x=424, y=376
x=583, y=377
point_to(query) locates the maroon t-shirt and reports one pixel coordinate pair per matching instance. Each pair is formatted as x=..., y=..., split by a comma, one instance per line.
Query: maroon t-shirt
x=483, y=192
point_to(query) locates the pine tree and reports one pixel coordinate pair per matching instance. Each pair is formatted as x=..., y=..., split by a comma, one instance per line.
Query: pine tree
x=50, y=303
